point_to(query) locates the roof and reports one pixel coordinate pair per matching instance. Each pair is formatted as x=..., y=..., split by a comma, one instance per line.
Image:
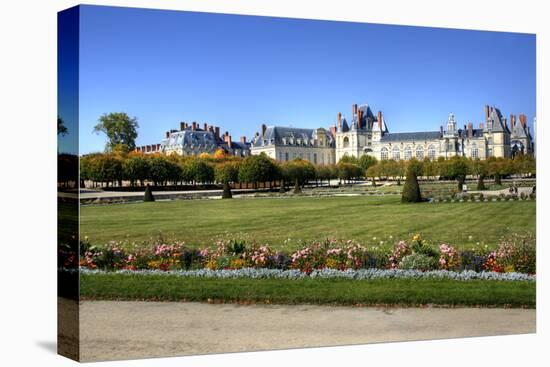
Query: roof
x=412, y=136
x=519, y=131
x=498, y=123
x=276, y=135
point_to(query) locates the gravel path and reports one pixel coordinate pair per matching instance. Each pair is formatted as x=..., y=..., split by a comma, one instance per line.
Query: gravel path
x=127, y=330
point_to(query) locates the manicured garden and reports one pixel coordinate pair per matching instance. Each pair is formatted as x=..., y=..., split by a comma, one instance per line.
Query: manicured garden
x=397, y=292
x=289, y=223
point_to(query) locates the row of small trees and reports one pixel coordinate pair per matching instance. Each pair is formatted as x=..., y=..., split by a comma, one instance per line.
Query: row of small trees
x=137, y=168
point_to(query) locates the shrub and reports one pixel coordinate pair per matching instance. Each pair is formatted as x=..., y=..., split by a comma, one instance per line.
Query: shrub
x=226, y=191
x=518, y=253
x=417, y=262
x=411, y=190
x=148, y=196
x=481, y=197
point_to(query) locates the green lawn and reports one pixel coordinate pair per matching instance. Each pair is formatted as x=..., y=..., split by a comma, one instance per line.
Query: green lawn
x=276, y=220
x=409, y=292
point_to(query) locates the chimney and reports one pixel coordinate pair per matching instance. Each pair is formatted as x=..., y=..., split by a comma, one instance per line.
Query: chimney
x=359, y=119
x=148, y=148
x=441, y=130
x=481, y=125
x=158, y=146
x=264, y=128
x=167, y=134
x=211, y=128
x=333, y=130
x=354, y=109
x=339, y=119
x=379, y=117
x=153, y=148
x=227, y=139
x=182, y=125
x=486, y=112
x=205, y=126
x=511, y=121
x=217, y=132
x=470, y=130
x=523, y=120
x=243, y=139
x=194, y=126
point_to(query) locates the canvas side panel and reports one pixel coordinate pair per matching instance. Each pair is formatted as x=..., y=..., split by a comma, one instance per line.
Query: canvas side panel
x=67, y=183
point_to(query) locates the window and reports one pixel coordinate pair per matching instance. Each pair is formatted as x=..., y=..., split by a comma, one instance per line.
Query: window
x=384, y=153
x=280, y=156
x=308, y=157
x=314, y=158
x=396, y=153
x=286, y=156
x=420, y=152
x=431, y=152
x=407, y=153
x=346, y=142
x=475, y=152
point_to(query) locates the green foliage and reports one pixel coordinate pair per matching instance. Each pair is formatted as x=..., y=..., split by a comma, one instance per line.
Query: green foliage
x=349, y=171
x=298, y=170
x=120, y=129
x=136, y=168
x=227, y=172
x=258, y=168
x=411, y=190
x=199, y=170
x=366, y=161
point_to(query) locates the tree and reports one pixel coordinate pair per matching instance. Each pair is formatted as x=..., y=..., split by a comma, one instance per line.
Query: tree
x=136, y=168
x=258, y=168
x=411, y=190
x=480, y=169
x=121, y=131
x=299, y=171
x=200, y=171
x=61, y=128
x=349, y=171
x=457, y=169
x=226, y=172
x=366, y=161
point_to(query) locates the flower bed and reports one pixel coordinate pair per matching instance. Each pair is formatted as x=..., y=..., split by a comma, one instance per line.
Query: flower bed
x=361, y=274
x=516, y=254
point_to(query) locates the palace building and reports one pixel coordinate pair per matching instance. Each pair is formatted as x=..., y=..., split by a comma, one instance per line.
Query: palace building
x=366, y=133
x=192, y=140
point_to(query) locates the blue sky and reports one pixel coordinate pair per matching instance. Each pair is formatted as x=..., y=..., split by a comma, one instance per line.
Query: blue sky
x=238, y=72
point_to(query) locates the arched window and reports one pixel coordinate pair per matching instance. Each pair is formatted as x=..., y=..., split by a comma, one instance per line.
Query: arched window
x=431, y=152
x=407, y=153
x=420, y=152
x=475, y=152
x=384, y=153
x=396, y=153
x=346, y=142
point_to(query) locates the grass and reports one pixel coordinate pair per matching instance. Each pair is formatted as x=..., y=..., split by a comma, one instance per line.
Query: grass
x=399, y=292
x=276, y=220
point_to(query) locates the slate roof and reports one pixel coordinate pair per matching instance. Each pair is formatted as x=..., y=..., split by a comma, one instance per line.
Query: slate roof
x=275, y=135
x=498, y=122
x=412, y=136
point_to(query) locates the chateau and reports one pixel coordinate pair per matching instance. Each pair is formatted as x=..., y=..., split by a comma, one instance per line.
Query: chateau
x=366, y=133
x=192, y=140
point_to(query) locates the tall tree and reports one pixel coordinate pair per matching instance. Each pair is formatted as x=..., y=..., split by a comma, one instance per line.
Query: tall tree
x=61, y=128
x=120, y=129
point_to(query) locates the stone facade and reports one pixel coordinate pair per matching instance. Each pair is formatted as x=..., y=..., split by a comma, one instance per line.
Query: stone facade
x=287, y=143
x=191, y=140
x=367, y=133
